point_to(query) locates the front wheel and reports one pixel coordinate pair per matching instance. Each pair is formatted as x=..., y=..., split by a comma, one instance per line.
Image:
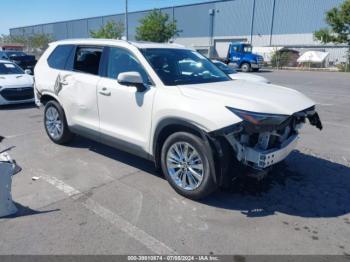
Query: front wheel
x=55, y=123
x=188, y=166
x=246, y=67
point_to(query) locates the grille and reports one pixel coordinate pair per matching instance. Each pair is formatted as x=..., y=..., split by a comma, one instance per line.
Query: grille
x=17, y=94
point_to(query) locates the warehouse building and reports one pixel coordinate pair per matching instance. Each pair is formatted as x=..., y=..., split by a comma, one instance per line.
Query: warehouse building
x=209, y=27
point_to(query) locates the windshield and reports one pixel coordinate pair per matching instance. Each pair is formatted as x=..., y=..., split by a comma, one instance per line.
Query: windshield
x=183, y=67
x=224, y=68
x=15, y=53
x=10, y=69
x=248, y=49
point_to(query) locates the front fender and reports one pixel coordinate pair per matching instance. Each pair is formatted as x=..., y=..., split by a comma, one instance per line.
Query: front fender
x=166, y=122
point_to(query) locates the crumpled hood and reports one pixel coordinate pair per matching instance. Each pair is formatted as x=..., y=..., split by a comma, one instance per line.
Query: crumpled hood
x=20, y=80
x=250, y=96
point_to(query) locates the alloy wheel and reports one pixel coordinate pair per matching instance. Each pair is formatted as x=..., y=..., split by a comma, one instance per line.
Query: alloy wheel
x=53, y=123
x=185, y=166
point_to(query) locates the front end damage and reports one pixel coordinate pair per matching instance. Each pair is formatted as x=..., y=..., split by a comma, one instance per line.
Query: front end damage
x=261, y=142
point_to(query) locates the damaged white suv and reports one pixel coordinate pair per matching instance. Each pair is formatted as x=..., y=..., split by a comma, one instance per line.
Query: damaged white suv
x=171, y=105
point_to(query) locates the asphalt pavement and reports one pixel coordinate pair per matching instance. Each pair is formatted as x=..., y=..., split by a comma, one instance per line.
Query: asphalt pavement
x=93, y=199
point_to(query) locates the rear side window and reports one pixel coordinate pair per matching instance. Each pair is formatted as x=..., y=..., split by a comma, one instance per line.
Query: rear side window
x=58, y=58
x=87, y=60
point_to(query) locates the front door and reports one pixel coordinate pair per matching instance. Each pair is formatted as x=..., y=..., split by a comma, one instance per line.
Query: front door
x=235, y=55
x=125, y=113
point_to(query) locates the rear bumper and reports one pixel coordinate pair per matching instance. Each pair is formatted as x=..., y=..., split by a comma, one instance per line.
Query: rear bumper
x=37, y=97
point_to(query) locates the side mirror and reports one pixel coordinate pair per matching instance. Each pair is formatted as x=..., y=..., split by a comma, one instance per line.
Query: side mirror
x=132, y=79
x=28, y=71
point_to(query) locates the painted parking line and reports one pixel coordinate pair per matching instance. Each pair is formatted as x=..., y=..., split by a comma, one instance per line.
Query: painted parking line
x=323, y=104
x=123, y=225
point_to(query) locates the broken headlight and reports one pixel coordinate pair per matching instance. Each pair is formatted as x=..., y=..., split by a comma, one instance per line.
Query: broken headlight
x=259, y=118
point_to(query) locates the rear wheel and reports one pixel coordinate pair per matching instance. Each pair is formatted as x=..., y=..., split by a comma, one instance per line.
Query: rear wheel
x=245, y=67
x=188, y=165
x=55, y=123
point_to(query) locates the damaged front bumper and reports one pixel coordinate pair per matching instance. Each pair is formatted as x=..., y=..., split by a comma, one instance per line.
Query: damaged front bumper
x=261, y=146
x=260, y=158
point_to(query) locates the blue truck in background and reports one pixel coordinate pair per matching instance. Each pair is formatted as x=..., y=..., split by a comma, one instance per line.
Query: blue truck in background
x=240, y=55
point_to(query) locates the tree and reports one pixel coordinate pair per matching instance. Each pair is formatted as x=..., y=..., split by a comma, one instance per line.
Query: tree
x=339, y=32
x=155, y=27
x=4, y=38
x=40, y=41
x=13, y=39
x=34, y=44
x=281, y=59
x=111, y=30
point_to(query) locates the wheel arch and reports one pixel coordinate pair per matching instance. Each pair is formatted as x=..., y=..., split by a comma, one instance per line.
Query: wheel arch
x=46, y=97
x=170, y=126
x=244, y=62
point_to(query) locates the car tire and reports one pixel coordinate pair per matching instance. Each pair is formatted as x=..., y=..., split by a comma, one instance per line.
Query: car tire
x=190, y=174
x=246, y=67
x=55, y=123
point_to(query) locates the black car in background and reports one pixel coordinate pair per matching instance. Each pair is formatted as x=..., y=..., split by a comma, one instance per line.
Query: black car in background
x=21, y=59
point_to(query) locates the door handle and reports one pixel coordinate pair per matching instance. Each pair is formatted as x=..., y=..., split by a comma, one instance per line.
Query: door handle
x=63, y=82
x=105, y=92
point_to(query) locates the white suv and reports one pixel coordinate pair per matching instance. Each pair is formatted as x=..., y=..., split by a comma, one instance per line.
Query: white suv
x=171, y=105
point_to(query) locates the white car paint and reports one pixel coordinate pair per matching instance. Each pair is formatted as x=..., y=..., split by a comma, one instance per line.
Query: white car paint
x=103, y=109
x=249, y=96
x=249, y=77
x=233, y=74
x=15, y=82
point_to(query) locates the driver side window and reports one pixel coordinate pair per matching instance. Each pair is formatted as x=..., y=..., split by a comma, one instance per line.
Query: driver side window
x=235, y=49
x=121, y=61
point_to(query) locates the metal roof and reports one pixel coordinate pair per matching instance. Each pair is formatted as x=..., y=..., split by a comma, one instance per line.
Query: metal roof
x=118, y=14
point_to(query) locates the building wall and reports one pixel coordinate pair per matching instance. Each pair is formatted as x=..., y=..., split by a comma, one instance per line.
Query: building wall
x=261, y=22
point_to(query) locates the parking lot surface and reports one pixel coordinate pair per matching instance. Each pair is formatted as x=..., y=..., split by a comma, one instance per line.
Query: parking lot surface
x=92, y=199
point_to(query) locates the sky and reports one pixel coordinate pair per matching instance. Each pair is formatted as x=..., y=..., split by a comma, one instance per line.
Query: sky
x=17, y=13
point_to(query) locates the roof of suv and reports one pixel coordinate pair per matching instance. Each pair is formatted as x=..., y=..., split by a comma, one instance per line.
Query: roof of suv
x=94, y=41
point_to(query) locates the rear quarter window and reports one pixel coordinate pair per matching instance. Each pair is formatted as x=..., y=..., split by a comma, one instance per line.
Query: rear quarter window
x=59, y=57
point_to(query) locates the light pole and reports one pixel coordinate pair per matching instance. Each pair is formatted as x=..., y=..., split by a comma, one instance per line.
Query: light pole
x=126, y=21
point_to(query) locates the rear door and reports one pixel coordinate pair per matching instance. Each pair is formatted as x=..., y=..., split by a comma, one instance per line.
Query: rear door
x=77, y=87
